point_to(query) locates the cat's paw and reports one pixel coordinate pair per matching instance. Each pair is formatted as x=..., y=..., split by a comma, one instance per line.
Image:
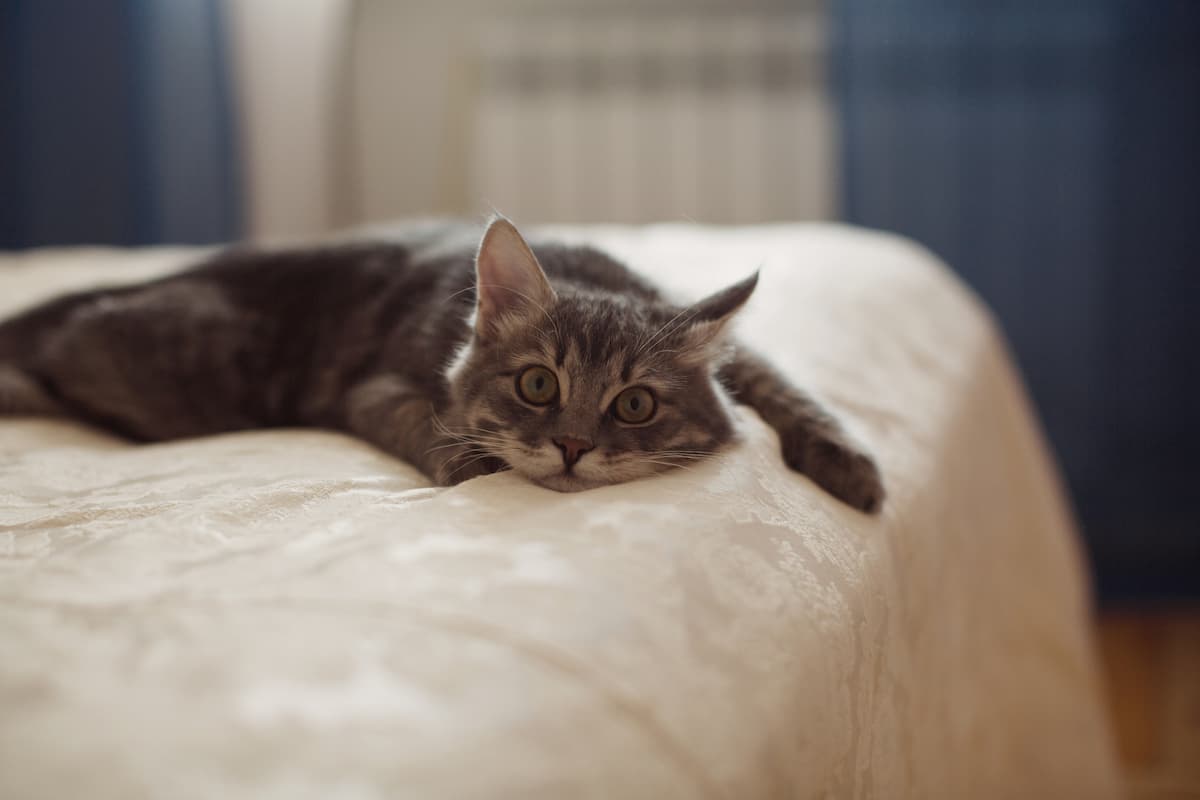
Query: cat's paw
x=462, y=464
x=837, y=466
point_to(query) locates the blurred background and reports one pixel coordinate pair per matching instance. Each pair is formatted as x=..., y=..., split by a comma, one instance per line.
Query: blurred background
x=1048, y=150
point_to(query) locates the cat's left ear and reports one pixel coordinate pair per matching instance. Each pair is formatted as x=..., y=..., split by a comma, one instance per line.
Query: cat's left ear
x=509, y=282
x=708, y=317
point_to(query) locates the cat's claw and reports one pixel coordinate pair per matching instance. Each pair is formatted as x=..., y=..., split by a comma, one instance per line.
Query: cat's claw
x=836, y=466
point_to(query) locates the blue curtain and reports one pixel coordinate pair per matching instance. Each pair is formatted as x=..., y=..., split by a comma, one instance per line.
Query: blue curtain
x=117, y=123
x=1049, y=152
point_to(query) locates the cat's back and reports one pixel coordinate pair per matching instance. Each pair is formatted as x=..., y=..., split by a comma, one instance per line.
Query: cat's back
x=448, y=244
x=329, y=272
x=410, y=263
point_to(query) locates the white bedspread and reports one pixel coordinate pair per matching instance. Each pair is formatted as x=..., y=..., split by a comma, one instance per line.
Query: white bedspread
x=295, y=615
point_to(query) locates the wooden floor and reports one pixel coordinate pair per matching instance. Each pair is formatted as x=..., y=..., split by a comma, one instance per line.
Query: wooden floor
x=1152, y=667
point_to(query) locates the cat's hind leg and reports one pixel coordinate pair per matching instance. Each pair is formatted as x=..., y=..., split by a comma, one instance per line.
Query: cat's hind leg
x=163, y=362
x=23, y=389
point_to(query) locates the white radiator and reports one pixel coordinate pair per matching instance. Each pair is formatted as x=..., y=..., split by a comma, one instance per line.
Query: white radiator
x=653, y=117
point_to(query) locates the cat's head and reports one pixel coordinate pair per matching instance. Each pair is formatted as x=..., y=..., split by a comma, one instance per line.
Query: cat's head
x=575, y=389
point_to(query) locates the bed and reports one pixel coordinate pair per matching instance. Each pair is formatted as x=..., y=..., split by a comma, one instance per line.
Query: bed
x=291, y=614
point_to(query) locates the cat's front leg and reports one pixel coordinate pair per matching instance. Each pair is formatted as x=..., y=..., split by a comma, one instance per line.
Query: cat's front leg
x=812, y=441
x=456, y=462
x=398, y=418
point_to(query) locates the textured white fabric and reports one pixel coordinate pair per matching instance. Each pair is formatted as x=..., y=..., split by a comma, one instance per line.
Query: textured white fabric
x=293, y=614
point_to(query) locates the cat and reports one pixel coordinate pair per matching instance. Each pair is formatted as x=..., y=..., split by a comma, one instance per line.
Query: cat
x=458, y=354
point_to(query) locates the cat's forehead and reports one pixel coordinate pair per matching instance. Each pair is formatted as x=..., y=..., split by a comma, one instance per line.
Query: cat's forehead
x=575, y=353
x=593, y=366
x=600, y=341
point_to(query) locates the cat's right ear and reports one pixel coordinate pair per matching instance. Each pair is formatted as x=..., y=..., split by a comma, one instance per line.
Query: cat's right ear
x=509, y=283
x=708, y=318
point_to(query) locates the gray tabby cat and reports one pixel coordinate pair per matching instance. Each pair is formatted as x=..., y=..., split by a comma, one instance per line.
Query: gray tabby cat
x=554, y=361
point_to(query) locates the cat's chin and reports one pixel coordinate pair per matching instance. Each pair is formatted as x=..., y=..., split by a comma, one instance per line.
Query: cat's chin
x=562, y=482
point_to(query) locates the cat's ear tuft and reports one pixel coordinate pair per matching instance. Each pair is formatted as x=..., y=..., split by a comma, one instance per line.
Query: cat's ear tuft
x=509, y=281
x=709, y=316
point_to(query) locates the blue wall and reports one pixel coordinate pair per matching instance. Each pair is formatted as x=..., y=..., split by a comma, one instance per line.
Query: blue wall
x=116, y=123
x=1049, y=152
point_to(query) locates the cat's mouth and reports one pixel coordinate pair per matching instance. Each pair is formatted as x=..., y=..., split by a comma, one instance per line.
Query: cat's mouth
x=546, y=468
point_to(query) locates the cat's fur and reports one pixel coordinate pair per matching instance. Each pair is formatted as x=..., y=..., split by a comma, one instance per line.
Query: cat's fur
x=416, y=346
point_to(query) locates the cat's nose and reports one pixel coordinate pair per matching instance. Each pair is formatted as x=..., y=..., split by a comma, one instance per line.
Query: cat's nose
x=572, y=449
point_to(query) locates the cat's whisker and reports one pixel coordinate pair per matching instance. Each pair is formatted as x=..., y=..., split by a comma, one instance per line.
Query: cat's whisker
x=672, y=457
x=441, y=425
x=472, y=440
x=482, y=436
x=465, y=452
x=661, y=328
x=680, y=454
x=665, y=463
x=437, y=422
x=667, y=329
x=489, y=437
x=463, y=290
x=465, y=464
x=435, y=448
x=658, y=353
x=470, y=445
x=501, y=456
x=468, y=453
x=466, y=436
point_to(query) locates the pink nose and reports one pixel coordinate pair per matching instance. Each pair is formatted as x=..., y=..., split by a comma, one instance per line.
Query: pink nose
x=572, y=449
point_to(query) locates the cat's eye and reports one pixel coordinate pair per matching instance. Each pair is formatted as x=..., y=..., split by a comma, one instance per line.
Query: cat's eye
x=634, y=405
x=537, y=385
